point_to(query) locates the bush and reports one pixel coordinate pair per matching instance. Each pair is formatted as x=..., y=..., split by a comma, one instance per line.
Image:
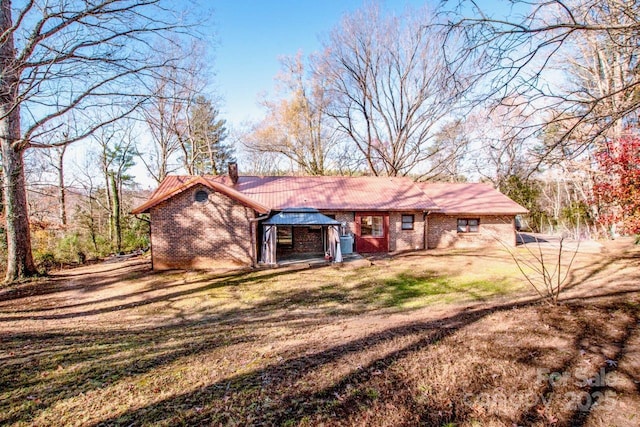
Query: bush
x=135, y=234
x=68, y=248
x=53, y=245
x=44, y=260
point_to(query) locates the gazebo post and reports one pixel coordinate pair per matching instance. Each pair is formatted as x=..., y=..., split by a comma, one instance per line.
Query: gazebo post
x=269, y=241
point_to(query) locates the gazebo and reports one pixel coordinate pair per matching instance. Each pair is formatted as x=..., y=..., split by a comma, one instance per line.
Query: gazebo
x=300, y=217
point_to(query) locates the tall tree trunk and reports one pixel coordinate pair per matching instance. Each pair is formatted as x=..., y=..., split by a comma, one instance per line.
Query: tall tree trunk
x=107, y=190
x=92, y=223
x=62, y=190
x=19, y=258
x=117, y=230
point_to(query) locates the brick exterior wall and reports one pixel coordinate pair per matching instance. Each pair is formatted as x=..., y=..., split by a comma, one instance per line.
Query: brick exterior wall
x=406, y=240
x=305, y=241
x=442, y=232
x=216, y=233
x=346, y=217
x=190, y=234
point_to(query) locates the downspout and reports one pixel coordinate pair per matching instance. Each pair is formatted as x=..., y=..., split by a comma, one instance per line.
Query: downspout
x=253, y=236
x=425, y=242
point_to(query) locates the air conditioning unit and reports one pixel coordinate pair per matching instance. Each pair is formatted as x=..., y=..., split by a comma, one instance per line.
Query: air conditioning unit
x=346, y=244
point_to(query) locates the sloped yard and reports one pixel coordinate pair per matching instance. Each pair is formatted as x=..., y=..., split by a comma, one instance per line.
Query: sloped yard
x=432, y=338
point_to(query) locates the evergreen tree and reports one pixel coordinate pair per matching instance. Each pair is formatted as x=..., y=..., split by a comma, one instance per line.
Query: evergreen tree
x=206, y=151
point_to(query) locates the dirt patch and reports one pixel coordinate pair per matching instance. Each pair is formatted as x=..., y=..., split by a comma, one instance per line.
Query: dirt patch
x=424, y=338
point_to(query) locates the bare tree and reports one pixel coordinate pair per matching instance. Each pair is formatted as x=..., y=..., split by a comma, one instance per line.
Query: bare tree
x=166, y=113
x=389, y=86
x=88, y=211
x=602, y=69
x=501, y=149
x=163, y=115
x=68, y=57
x=547, y=269
x=297, y=125
x=525, y=57
x=450, y=145
x=116, y=144
x=44, y=169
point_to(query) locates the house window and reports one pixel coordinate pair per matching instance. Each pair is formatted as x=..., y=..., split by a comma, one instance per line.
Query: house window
x=201, y=196
x=285, y=237
x=407, y=222
x=372, y=226
x=468, y=225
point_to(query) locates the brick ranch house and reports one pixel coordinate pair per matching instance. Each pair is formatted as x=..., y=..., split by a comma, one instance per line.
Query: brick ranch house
x=206, y=221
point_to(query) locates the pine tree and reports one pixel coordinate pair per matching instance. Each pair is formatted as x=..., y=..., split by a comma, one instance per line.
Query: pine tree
x=206, y=151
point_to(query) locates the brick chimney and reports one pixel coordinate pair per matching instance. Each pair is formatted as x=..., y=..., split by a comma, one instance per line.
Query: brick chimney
x=233, y=172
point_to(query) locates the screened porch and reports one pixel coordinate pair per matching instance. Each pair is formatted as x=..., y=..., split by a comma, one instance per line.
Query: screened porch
x=299, y=234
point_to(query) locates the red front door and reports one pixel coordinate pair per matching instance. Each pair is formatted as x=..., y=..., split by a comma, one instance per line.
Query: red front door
x=372, y=232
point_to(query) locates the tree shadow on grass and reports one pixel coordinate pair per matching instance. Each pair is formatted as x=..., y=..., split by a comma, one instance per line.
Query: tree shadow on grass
x=34, y=364
x=266, y=395
x=40, y=369
x=65, y=281
x=31, y=360
x=401, y=293
x=577, y=276
x=601, y=387
x=273, y=395
x=247, y=393
x=395, y=292
x=572, y=389
x=205, y=282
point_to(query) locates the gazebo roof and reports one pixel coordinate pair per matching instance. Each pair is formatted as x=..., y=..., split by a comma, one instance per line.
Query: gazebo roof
x=300, y=216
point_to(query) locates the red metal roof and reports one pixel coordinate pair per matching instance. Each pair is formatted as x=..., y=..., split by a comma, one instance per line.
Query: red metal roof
x=341, y=193
x=335, y=193
x=468, y=198
x=173, y=185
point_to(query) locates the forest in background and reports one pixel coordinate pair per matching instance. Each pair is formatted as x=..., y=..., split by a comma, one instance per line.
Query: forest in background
x=542, y=102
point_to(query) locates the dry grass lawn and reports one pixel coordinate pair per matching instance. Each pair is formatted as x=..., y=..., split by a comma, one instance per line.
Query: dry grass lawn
x=431, y=338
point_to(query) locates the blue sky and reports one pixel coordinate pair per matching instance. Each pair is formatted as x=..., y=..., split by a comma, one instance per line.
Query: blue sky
x=249, y=38
x=252, y=35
